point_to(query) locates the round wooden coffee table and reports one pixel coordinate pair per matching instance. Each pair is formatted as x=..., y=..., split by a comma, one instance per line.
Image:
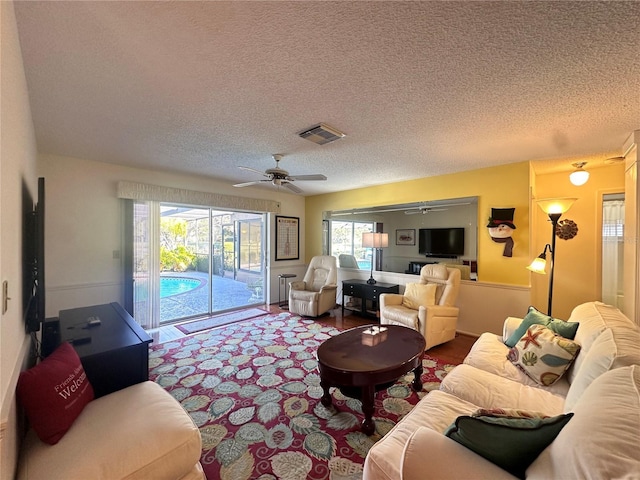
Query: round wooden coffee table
x=365, y=359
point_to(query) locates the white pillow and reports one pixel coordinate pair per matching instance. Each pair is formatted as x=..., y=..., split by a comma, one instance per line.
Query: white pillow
x=602, y=438
x=598, y=360
x=416, y=294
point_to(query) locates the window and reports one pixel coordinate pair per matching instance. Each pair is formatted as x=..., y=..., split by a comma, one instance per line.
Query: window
x=346, y=238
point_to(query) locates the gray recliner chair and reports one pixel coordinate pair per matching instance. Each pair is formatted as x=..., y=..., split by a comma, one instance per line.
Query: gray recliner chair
x=347, y=261
x=316, y=293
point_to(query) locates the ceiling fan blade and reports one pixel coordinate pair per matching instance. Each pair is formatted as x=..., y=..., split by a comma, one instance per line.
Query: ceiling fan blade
x=424, y=210
x=246, y=184
x=357, y=211
x=278, y=176
x=253, y=170
x=316, y=176
x=291, y=187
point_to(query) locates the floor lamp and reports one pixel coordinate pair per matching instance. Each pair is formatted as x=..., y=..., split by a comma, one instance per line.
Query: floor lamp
x=374, y=241
x=554, y=208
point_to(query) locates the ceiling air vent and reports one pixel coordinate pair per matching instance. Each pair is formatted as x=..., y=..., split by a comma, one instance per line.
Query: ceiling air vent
x=322, y=134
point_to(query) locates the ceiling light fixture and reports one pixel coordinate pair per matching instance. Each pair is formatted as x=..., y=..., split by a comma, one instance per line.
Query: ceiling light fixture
x=579, y=176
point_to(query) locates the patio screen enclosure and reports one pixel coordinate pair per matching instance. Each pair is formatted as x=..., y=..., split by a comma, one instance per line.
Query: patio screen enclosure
x=193, y=261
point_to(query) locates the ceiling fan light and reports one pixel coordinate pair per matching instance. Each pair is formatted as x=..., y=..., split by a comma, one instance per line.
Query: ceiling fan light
x=579, y=176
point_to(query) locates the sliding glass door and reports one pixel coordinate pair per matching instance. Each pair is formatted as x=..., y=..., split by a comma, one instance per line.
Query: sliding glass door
x=184, y=262
x=194, y=262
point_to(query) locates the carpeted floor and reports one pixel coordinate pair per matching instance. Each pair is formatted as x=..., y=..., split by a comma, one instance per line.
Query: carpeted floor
x=253, y=389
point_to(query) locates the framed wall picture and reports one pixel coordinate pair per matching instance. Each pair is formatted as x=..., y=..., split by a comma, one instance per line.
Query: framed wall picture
x=406, y=236
x=287, y=238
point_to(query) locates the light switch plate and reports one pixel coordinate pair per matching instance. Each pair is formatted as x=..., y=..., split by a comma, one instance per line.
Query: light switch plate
x=5, y=297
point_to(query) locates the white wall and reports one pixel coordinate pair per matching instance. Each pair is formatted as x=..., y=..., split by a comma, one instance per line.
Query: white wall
x=17, y=171
x=84, y=226
x=396, y=258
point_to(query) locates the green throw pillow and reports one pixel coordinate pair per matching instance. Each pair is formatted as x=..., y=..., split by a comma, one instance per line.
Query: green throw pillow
x=512, y=443
x=534, y=317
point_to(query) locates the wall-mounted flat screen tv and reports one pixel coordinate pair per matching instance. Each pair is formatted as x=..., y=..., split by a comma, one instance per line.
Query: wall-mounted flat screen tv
x=33, y=261
x=441, y=242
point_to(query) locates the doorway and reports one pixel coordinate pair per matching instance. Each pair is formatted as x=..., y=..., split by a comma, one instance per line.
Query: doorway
x=612, y=249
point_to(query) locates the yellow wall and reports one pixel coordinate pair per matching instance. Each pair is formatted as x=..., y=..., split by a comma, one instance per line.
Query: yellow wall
x=578, y=261
x=495, y=187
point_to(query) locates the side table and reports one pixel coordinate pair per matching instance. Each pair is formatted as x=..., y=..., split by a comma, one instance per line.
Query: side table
x=284, y=305
x=368, y=294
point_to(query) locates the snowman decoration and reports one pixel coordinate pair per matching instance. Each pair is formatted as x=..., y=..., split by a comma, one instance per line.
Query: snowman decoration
x=501, y=228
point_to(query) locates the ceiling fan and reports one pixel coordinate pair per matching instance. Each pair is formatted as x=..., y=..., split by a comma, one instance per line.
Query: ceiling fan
x=279, y=177
x=424, y=210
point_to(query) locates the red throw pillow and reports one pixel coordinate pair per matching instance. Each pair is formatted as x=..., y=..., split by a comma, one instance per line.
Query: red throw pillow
x=54, y=392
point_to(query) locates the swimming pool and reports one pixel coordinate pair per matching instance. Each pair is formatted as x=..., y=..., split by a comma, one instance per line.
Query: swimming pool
x=176, y=285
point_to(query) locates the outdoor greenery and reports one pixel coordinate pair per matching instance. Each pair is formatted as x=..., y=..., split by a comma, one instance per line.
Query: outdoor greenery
x=346, y=237
x=174, y=255
x=179, y=259
x=201, y=263
x=184, y=245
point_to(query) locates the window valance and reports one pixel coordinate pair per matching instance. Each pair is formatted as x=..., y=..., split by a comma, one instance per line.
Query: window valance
x=145, y=192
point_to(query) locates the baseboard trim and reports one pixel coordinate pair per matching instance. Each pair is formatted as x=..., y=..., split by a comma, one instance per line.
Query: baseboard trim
x=81, y=286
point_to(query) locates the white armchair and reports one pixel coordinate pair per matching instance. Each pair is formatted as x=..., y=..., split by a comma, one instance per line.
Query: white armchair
x=437, y=322
x=316, y=293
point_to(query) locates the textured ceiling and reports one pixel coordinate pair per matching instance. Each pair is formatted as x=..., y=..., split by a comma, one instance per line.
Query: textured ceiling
x=420, y=88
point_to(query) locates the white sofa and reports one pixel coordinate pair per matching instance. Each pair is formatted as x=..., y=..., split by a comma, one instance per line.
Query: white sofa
x=601, y=388
x=138, y=433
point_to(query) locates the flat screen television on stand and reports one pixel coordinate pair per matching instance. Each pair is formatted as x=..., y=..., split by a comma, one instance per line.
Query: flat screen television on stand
x=441, y=242
x=33, y=264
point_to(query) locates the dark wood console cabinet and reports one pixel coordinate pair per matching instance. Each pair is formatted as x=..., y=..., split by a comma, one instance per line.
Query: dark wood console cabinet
x=115, y=353
x=368, y=295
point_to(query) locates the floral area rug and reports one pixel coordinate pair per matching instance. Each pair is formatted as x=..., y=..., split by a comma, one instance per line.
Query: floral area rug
x=253, y=389
x=219, y=320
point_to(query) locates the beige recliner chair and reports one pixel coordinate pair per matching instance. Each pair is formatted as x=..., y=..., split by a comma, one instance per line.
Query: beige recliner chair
x=316, y=293
x=436, y=322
